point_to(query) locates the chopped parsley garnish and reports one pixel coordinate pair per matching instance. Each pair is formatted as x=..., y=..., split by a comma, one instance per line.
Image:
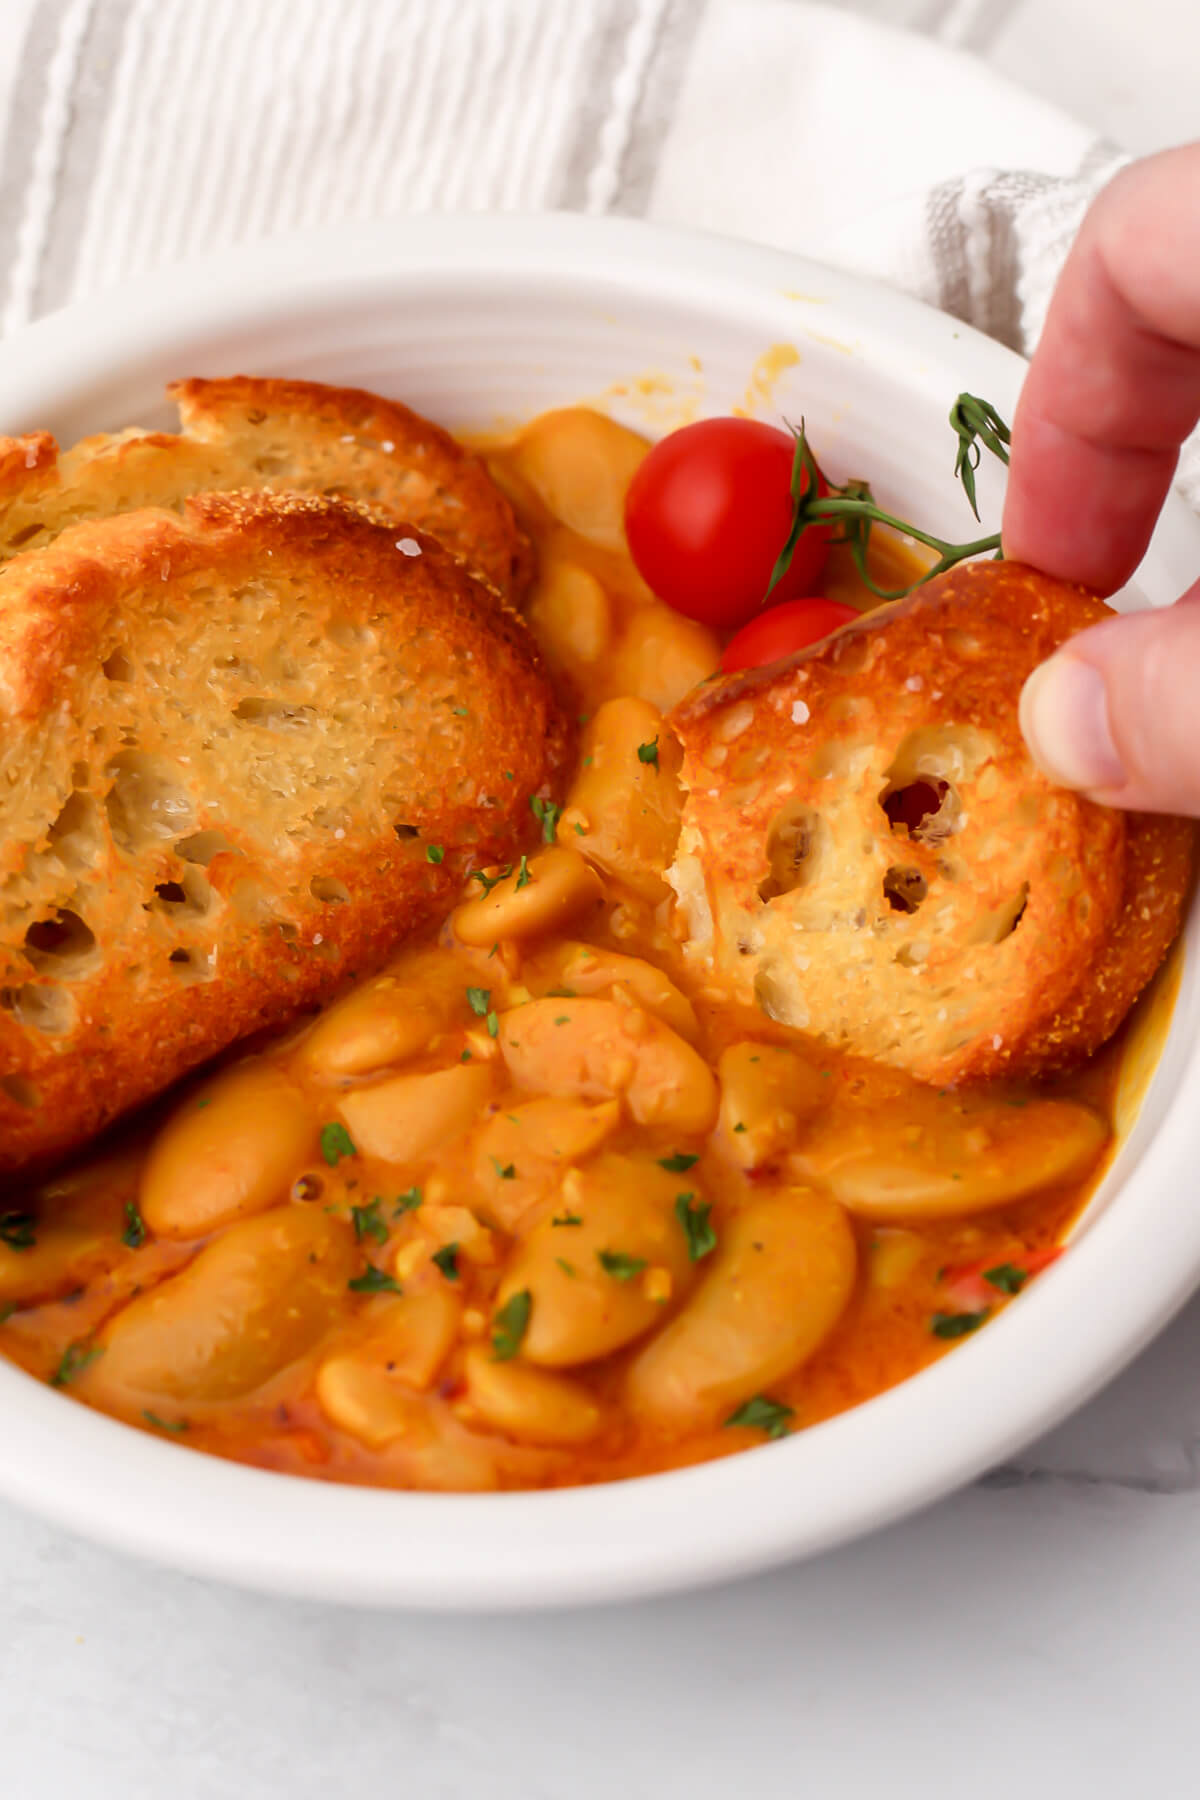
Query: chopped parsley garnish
x=488, y=882
x=165, y=1424
x=75, y=1359
x=693, y=1215
x=505, y=1171
x=739, y=1126
x=205, y=1100
x=510, y=1325
x=336, y=1142
x=368, y=1221
x=761, y=1413
x=447, y=1261
x=407, y=1202
x=956, y=1325
x=563, y=1019
x=17, y=1230
x=434, y=853
x=493, y=1024
x=461, y=712
x=620, y=1266
x=678, y=1162
x=548, y=812
x=479, y=999
x=579, y=830
x=374, y=1281
x=134, y=1233
x=523, y=875
x=648, y=753
x=567, y=1268
x=7, y=1309
x=561, y=994
x=567, y=1218
x=1007, y=1277
x=464, y=1056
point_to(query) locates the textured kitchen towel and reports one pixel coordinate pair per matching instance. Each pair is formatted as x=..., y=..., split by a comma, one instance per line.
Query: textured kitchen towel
x=141, y=132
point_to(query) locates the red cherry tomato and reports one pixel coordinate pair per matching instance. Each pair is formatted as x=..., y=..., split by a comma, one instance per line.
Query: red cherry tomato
x=782, y=629
x=707, y=514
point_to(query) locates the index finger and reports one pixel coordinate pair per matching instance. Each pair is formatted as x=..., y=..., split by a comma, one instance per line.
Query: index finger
x=1114, y=385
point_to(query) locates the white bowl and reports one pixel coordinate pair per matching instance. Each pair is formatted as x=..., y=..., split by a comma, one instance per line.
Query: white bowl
x=474, y=320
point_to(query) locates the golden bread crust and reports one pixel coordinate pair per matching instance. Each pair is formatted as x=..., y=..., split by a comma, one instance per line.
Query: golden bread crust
x=1005, y=932
x=278, y=436
x=230, y=741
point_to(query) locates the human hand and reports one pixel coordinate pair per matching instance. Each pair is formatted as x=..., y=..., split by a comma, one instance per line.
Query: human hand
x=1112, y=392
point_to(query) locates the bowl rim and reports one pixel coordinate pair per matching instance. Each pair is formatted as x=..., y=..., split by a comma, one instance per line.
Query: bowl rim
x=1127, y=1274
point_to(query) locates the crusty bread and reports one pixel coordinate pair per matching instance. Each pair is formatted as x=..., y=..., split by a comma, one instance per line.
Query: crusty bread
x=1005, y=932
x=245, y=750
x=283, y=436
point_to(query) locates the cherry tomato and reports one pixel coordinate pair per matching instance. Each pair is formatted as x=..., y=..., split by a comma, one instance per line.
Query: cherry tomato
x=707, y=514
x=782, y=629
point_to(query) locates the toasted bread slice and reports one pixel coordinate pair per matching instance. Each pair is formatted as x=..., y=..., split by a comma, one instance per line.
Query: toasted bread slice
x=245, y=752
x=283, y=436
x=868, y=851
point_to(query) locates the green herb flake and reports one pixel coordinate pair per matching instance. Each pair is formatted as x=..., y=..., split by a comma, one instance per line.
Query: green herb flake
x=75, y=1359
x=679, y=1162
x=461, y=712
x=134, y=1232
x=510, y=1325
x=464, y=1056
x=508, y=775
x=548, y=813
x=579, y=830
x=693, y=1215
x=17, y=1230
x=434, y=853
x=488, y=882
x=561, y=994
x=505, y=1172
x=447, y=1261
x=563, y=1019
x=739, y=1126
x=368, y=1221
x=204, y=1100
x=620, y=1266
x=479, y=1000
x=567, y=1268
x=7, y=1309
x=172, y=1425
x=956, y=1325
x=567, y=1218
x=336, y=1142
x=1007, y=1277
x=523, y=875
x=374, y=1281
x=648, y=753
x=407, y=1202
x=761, y=1413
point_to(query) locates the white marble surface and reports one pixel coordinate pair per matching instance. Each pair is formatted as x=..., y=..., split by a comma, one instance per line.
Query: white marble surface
x=1035, y=1634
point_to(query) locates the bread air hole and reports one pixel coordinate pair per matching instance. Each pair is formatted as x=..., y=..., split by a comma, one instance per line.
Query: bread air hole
x=20, y=1091
x=325, y=888
x=796, y=844
x=204, y=846
x=117, y=667
x=77, y=835
x=190, y=897
x=1002, y=921
x=917, y=809
x=275, y=715
x=46, y=1009
x=62, y=945
x=147, y=800
x=904, y=889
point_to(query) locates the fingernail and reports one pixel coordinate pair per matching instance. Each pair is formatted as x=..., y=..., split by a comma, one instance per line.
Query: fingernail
x=1064, y=717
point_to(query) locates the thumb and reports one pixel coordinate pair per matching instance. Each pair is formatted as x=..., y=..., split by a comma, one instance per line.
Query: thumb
x=1116, y=711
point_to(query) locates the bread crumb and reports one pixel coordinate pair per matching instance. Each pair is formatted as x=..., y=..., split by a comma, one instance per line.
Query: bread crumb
x=800, y=713
x=408, y=546
x=997, y=1041
x=388, y=445
x=318, y=938
x=914, y=684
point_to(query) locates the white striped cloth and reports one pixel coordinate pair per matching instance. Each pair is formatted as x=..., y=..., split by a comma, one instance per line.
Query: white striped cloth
x=141, y=132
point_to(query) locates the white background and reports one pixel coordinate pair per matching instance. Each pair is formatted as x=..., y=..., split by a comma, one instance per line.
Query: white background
x=1036, y=1638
